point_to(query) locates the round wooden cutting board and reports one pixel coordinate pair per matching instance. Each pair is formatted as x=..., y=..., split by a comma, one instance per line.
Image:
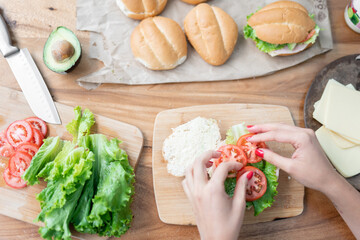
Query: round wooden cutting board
x=344, y=70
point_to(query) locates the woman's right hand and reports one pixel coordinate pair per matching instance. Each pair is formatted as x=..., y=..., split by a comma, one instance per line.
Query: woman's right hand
x=308, y=164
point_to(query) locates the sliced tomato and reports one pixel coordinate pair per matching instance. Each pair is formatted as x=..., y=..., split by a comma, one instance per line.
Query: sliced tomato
x=19, y=132
x=13, y=181
x=38, y=124
x=231, y=153
x=30, y=148
x=5, y=148
x=19, y=162
x=37, y=138
x=309, y=35
x=250, y=148
x=256, y=186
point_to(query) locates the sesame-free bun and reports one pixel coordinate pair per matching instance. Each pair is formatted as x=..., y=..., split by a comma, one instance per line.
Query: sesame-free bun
x=141, y=9
x=282, y=22
x=159, y=43
x=212, y=32
x=194, y=2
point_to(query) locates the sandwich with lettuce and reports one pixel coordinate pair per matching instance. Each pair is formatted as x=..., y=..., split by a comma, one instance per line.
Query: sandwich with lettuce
x=282, y=28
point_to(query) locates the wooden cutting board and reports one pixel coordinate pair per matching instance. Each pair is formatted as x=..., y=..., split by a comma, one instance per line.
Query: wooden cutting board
x=21, y=203
x=172, y=203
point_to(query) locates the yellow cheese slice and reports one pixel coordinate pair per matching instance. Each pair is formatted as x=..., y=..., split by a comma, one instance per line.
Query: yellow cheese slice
x=342, y=111
x=346, y=161
x=320, y=112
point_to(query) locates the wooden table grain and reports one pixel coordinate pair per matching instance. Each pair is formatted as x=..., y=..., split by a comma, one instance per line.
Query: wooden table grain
x=32, y=21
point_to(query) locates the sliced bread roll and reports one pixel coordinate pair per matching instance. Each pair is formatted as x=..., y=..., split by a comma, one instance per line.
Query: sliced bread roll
x=140, y=9
x=188, y=141
x=212, y=32
x=194, y=2
x=282, y=22
x=159, y=43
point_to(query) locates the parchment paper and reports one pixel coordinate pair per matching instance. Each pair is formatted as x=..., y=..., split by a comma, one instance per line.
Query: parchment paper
x=110, y=43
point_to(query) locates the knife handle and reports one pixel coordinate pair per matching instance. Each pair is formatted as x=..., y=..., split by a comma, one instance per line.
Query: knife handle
x=5, y=42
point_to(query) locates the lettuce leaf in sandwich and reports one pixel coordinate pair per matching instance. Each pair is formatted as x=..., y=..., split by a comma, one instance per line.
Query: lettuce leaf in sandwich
x=270, y=171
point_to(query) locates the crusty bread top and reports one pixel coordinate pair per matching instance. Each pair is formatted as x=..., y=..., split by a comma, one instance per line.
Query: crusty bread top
x=159, y=43
x=140, y=9
x=282, y=22
x=212, y=32
x=194, y=1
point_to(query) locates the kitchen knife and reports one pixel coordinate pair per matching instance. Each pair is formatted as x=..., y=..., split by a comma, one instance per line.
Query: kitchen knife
x=29, y=78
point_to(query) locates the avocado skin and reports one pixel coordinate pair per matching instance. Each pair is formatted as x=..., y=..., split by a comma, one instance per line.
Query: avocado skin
x=67, y=66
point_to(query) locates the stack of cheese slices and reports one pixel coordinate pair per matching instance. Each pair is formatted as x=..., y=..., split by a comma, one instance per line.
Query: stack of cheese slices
x=339, y=112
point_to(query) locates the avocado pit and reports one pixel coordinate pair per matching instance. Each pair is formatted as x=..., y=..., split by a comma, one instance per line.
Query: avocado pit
x=62, y=51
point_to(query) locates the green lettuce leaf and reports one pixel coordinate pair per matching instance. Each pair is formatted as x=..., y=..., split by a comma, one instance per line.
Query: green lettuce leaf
x=235, y=132
x=268, y=198
x=47, y=152
x=81, y=125
x=111, y=189
x=314, y=37
x=66, y=180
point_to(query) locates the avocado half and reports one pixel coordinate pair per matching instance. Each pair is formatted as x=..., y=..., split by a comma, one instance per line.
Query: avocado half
x=62, y=50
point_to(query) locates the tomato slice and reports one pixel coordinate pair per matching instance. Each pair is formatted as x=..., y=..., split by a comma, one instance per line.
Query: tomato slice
x=37, y=138
x=5, y=148
x=30, y=148
x=309, y=35
x=256, y=186
x=19, y=162
x=19, y=132
x=12, y=181
x=231, y=153
x=250, y=148
x=38, y=124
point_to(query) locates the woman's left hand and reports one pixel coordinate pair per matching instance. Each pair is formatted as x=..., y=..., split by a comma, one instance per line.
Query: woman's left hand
x=217, y=215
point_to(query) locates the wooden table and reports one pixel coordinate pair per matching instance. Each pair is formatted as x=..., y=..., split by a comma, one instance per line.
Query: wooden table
x=32, y=21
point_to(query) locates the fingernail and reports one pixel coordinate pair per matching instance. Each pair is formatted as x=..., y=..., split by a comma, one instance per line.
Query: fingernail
x=249, y=126
x=250, y=175
x=211, y=161
x=259, y=153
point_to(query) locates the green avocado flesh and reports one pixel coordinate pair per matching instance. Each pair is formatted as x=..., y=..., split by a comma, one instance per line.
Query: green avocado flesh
x=62, y=50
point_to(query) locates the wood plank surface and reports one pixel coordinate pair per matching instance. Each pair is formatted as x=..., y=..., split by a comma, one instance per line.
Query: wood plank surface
x=173, y=205
x=21, y=204
x=32, y=21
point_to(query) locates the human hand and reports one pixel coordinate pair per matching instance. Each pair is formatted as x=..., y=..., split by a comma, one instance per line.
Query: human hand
x=217, y=215
x=308, y=164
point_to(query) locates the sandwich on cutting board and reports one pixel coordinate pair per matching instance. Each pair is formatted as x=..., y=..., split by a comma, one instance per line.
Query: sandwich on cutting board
x=282, y=28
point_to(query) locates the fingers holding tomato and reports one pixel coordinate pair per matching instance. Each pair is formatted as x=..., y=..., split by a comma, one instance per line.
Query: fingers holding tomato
x=256, y=186
x=250, y=148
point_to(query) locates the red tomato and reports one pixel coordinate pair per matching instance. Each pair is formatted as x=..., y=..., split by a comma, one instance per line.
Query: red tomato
x=257, y=185
x=12, y=181
x=231, y=153
x=250, y=148
x=37, y=138
x=19, y=162
x=30, y=148
x=38, y=124
x=309, y=35
x=5, y=148
x=19, y=132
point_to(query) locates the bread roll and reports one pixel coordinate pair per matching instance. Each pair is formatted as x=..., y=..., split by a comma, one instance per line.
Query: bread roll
x=140, y=9
x=159, y=43
x=282, y=22
x=194, y=1
x=212, y=32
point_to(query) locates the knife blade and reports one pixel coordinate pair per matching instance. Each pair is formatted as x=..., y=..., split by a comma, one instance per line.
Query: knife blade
x=29, y=78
